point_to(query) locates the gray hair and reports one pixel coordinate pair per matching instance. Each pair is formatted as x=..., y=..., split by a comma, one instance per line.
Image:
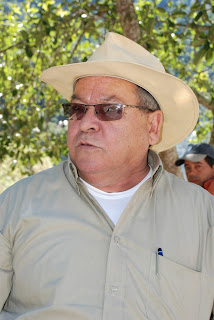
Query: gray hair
x=146, y=99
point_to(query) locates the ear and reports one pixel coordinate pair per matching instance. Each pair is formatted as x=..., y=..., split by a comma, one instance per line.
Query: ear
x=155, y=123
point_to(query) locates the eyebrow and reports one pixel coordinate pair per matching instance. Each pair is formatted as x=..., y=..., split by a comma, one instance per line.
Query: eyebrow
x=75, y=96
x=112, y=98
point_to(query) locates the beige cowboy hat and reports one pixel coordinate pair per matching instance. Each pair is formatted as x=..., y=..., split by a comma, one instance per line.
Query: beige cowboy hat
x=123, y=58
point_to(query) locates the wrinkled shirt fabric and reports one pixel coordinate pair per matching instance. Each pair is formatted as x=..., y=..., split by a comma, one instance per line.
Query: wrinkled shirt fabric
x=61, y=257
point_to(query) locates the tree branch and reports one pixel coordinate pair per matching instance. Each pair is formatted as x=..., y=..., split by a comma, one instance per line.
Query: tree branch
x=205, y=102
x=13, y=46
x=194, y=26
x=79, y=40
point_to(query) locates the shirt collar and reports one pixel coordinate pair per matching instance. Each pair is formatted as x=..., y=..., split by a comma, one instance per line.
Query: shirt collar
x=153, y=160
x=72, y=168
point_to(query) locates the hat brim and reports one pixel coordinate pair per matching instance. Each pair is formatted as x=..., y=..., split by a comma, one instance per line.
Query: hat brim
x=177, y=101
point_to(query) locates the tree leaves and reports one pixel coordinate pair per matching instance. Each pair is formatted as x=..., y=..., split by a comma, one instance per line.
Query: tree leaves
x=199, y=55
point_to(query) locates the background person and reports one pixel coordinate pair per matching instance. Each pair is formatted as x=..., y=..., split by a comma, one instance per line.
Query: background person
x=109, y=234
x=198, y=161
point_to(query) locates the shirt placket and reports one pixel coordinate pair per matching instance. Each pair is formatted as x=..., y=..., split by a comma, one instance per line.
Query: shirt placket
x=115, y=280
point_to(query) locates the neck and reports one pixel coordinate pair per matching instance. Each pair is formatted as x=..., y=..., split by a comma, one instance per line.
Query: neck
x=115, y=182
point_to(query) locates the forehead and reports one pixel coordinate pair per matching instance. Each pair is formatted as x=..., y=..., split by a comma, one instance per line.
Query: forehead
x=193, y=163
x=107, y=79
x=105, y=87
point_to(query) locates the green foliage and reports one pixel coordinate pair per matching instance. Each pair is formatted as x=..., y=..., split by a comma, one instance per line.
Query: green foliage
x=9, y=177
x=203, y=128
x=36, y=35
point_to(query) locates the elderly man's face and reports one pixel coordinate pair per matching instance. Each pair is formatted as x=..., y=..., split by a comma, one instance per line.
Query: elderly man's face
x=107, y=147
x=198, y=172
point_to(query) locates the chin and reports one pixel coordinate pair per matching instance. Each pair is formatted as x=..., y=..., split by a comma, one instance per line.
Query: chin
x=87, y=168
x=196, y=182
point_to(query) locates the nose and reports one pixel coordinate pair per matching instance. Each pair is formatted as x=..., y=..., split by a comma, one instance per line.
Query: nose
x=191, y=171
x=89, y=122
x=191, y=175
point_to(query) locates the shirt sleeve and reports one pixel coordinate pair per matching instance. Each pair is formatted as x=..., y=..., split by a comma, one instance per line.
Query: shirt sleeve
x=6, y=270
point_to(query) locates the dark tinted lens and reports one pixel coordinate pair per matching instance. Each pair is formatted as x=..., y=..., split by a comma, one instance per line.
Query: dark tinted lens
x=109, y=112
x=74, y=111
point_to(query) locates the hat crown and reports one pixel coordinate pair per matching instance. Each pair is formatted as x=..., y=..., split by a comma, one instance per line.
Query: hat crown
x=200, y=148
x=119, y=48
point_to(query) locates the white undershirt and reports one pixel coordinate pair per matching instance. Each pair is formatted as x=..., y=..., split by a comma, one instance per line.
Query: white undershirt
x=114, y=203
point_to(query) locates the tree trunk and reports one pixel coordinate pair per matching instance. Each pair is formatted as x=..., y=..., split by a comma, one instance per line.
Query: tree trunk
x=128, y=19
x=131, y=29
x=212, y=133
x=168, y=158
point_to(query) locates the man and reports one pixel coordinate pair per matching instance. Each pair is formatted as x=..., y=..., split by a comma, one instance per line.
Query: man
x=109, y=234
x=198, y=161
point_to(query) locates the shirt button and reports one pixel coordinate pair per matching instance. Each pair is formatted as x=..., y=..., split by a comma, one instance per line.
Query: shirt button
x=114, y=289
x=116, y=239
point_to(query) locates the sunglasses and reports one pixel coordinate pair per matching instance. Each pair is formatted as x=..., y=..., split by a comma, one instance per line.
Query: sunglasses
x=104, y=112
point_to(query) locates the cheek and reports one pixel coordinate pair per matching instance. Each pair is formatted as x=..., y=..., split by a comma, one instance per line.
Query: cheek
x=187, y=173
x=71, y=133
x=137, y=139
x=141, y=137
x=208, y=174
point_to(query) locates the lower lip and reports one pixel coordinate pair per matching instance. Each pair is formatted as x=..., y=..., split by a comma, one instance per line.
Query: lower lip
x=87, y=147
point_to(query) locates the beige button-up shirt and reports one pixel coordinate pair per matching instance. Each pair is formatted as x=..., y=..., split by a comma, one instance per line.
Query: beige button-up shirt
x=62, y=258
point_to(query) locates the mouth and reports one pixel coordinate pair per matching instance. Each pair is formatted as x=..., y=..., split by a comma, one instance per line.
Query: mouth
x=194, y=180
x=83, y=144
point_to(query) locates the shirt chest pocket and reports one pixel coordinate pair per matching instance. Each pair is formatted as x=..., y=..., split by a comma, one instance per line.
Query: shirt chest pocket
x=180, y=292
